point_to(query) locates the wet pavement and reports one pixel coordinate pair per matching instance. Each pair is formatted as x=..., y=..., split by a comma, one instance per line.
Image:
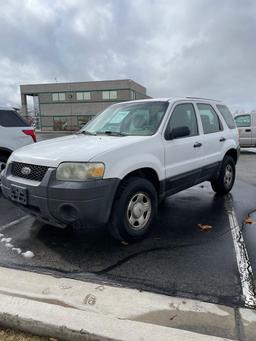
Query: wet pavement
x=177, y=258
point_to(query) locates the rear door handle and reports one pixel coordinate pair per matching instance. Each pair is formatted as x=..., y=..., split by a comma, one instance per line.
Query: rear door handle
x=222, y=139
x=247, y=130
x=197, y=145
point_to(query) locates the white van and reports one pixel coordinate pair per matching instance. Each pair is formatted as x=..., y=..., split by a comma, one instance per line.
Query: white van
x=117, y=169
x=246, y=124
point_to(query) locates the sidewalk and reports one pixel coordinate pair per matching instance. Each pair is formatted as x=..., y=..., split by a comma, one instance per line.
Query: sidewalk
x=75, y=310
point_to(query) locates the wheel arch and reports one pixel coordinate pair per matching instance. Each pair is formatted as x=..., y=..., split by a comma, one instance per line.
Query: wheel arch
x=5, y=152
x=147, y=173
x=232, y=152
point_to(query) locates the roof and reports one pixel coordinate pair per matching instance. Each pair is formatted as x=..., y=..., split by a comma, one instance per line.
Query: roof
x=115, y=84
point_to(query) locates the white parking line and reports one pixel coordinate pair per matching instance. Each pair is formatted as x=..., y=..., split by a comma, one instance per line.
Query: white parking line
x=14, y=222
x=242, y=258
x=251, y=150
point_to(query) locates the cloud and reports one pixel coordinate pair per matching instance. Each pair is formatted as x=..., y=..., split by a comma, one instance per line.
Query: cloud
x=186, y=47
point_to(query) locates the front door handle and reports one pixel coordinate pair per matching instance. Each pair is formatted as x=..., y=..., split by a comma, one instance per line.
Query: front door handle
x=222, y=139
x=197, y=145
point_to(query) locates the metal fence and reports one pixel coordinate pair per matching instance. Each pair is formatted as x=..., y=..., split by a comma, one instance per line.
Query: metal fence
x=59, y=122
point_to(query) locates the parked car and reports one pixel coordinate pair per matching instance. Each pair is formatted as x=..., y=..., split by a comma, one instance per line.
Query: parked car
x=246, y=124
x=117, y=169
x=14, y=133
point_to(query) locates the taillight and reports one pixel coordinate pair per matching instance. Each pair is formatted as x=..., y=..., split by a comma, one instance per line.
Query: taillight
x=30, y=132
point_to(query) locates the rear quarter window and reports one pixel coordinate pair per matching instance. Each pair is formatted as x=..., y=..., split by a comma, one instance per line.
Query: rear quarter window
x=10, y=118
x=226, y=114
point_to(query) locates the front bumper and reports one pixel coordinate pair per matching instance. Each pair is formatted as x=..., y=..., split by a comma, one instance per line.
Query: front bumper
x=61, y=203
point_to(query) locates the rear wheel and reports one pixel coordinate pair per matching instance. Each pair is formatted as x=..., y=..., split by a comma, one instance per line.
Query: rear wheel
x=134, y=209
x=226, y=178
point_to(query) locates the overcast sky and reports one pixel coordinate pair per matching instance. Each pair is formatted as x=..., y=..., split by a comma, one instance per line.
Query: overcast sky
x=204, y=48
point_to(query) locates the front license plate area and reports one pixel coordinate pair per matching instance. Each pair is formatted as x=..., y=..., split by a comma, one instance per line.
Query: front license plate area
x=19, y=194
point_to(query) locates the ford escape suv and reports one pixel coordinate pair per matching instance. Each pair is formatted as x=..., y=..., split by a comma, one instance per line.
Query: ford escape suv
x=14, y=133
x=116, y=170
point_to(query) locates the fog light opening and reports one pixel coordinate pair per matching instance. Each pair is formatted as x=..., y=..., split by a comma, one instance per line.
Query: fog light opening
x=68, y=212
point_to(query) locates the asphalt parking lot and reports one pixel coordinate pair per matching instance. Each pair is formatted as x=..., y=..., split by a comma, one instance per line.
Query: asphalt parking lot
x=177, y=258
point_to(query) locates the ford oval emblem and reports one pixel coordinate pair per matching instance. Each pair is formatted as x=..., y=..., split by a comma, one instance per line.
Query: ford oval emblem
x=25, y=170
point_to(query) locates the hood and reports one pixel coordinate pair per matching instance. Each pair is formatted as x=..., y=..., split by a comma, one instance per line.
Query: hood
x=74, y=148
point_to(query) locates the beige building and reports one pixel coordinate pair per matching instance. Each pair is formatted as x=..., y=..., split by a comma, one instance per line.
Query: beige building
x=67, y=106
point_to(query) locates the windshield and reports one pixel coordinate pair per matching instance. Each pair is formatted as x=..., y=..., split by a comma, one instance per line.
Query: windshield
x=141, y=119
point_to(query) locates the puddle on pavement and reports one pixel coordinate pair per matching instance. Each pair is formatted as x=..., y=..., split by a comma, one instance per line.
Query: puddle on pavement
x=200, y=322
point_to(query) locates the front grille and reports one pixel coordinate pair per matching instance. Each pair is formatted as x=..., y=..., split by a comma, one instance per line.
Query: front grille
x=36, y=172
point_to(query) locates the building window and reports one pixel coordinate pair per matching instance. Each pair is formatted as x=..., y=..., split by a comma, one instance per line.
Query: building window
x=83, y=96
x=109, y=94
x=133, y=95
x=59, y=96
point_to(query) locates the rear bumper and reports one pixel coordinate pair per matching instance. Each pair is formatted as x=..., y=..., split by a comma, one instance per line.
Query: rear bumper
x=61, y=203
x=238, y=152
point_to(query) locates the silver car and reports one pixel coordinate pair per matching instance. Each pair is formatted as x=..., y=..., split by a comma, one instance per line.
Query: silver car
x=246, y=124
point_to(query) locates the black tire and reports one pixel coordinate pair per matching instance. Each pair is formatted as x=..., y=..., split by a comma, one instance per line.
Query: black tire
x=3, y=159
x=136, y=196
x=224, y=183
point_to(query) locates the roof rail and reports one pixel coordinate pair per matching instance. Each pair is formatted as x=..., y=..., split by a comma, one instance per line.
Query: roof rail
x=208, y=99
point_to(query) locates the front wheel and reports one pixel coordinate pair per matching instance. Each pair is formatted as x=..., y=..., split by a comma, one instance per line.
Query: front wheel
x=226, y=178
x=134, y=210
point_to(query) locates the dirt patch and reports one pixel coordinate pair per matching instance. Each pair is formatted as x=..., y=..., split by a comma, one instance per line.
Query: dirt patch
x=15, y=335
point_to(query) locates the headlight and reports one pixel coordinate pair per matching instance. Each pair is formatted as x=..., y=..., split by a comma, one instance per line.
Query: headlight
x=79, y=171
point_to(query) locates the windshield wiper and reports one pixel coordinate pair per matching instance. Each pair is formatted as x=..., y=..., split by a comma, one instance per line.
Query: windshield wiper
x=112, y=133
x=86, y=132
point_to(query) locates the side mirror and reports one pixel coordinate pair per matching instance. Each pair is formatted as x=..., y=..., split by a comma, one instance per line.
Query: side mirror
x=179, y=132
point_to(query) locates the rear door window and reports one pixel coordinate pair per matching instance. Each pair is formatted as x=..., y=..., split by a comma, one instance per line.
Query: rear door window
x=243, y=121
x=10, y=118
x=224, y=110
x=210, y=120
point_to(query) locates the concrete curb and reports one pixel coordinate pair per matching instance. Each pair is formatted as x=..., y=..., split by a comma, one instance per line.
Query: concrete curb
x=71, y=324
x=76, y=310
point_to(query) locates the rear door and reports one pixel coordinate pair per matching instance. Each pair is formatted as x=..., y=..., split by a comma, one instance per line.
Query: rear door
x=11, y=128
x=244, y=125
x=212, y=140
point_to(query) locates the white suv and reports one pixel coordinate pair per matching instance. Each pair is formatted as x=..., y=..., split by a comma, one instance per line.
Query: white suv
x=117, y=169
x=14, y=133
